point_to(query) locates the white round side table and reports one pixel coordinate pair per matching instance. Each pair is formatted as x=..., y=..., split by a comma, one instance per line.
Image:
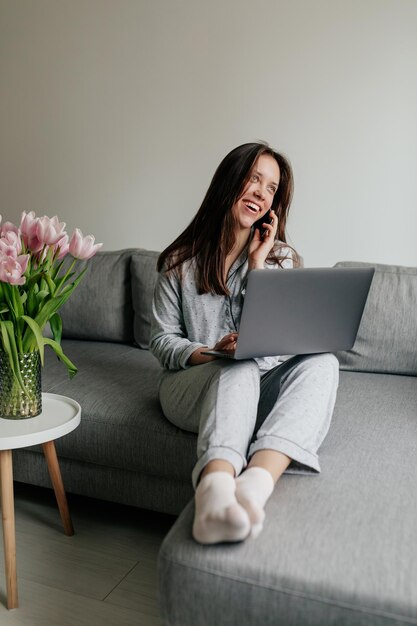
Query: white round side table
x=60, y=415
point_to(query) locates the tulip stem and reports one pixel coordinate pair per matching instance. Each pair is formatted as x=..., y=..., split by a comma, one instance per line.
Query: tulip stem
x=66, y=276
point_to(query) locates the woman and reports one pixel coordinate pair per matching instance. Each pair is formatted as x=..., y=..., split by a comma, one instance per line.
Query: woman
x=256, y=418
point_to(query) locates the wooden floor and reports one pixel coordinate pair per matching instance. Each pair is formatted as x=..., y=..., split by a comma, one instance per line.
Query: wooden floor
x=105, y=575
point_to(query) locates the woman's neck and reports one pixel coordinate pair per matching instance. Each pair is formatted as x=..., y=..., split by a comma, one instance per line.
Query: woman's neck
x=242, y=238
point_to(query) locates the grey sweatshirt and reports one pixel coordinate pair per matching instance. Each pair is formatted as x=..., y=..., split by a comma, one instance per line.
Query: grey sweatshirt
x=184, y=320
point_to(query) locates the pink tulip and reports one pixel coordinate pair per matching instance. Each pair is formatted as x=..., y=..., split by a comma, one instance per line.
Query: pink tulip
x=12, y=270
x=63, y=246
x=49, y=230
x=28, y=226
x=7, y=228
x=23, y=260
x=28, y=223
x=10, y=244
x=83, y=247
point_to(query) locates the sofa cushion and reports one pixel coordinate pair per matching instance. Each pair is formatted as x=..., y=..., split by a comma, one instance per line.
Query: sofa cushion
x=122, y=424
x=100, y=308
x=143, y=270
x=337, y=548
x=387, y=335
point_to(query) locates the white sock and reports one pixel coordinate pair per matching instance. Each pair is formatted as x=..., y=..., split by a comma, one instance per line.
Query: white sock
x=218, y=516
x=253, y=488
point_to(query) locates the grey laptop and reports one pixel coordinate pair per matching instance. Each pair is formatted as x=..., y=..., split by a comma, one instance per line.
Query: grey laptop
x=301, y=311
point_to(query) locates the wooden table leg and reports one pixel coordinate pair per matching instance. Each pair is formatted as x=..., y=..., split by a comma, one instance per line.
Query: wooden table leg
x=56, y=478
x=9, y=532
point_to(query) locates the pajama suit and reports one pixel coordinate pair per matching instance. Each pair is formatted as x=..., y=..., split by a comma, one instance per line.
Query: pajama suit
x=237, y=407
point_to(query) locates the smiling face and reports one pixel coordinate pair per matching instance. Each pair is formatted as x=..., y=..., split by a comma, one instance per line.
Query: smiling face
x=258, y=193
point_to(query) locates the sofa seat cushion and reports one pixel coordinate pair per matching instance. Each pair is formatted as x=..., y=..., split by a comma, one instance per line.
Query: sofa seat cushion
x=122, y=425
x=337, y=548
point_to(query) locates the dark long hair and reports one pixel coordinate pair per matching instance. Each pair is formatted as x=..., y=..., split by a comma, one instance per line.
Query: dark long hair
x=210, y=236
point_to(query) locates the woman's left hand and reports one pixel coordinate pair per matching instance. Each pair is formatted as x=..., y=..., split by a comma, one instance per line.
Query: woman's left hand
x=260, y=248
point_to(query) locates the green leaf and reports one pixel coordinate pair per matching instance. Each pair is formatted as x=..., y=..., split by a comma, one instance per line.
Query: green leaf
x=8, y=295
x=56, y=327
x=72, y=369
x=20, y=324
x=51, y=284
x=34, y=279
x=48, y=309
x=17, y=302
x=62, y=279
x=34, y=327
x=55, y=270
x=41, y=295
x=9, y=346
x=32, y=303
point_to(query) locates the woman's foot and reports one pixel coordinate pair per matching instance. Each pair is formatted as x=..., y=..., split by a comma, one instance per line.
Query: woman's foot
x=253, y=488
x=218, y=515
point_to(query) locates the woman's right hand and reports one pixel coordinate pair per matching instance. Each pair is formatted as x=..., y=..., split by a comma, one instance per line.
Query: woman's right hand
x=228, y=342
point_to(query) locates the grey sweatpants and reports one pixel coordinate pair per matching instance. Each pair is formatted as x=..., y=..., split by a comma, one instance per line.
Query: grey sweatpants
x=236, y=411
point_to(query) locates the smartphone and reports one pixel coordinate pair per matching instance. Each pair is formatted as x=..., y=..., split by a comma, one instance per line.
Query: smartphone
x=266, y=219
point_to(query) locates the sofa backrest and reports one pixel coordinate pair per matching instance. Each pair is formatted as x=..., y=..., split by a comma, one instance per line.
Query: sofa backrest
x=114, y=299
x=113, y=303
x=387, y=335
x=143, y=273
x=100, y=308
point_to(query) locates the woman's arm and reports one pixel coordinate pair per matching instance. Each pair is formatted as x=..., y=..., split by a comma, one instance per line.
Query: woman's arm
x=169, y=342
x=198, y=359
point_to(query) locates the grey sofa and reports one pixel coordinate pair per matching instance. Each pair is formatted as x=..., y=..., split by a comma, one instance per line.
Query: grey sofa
x=124, y=449
x=338, y=548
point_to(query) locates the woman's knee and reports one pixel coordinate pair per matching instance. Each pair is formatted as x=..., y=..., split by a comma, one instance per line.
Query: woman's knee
x=329, y=361
x=326, y=363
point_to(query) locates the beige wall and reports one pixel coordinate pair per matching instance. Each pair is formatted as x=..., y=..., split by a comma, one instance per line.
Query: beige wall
x=115, y=113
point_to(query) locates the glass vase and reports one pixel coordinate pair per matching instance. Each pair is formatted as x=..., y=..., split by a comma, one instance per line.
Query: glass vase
x=15, y=403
